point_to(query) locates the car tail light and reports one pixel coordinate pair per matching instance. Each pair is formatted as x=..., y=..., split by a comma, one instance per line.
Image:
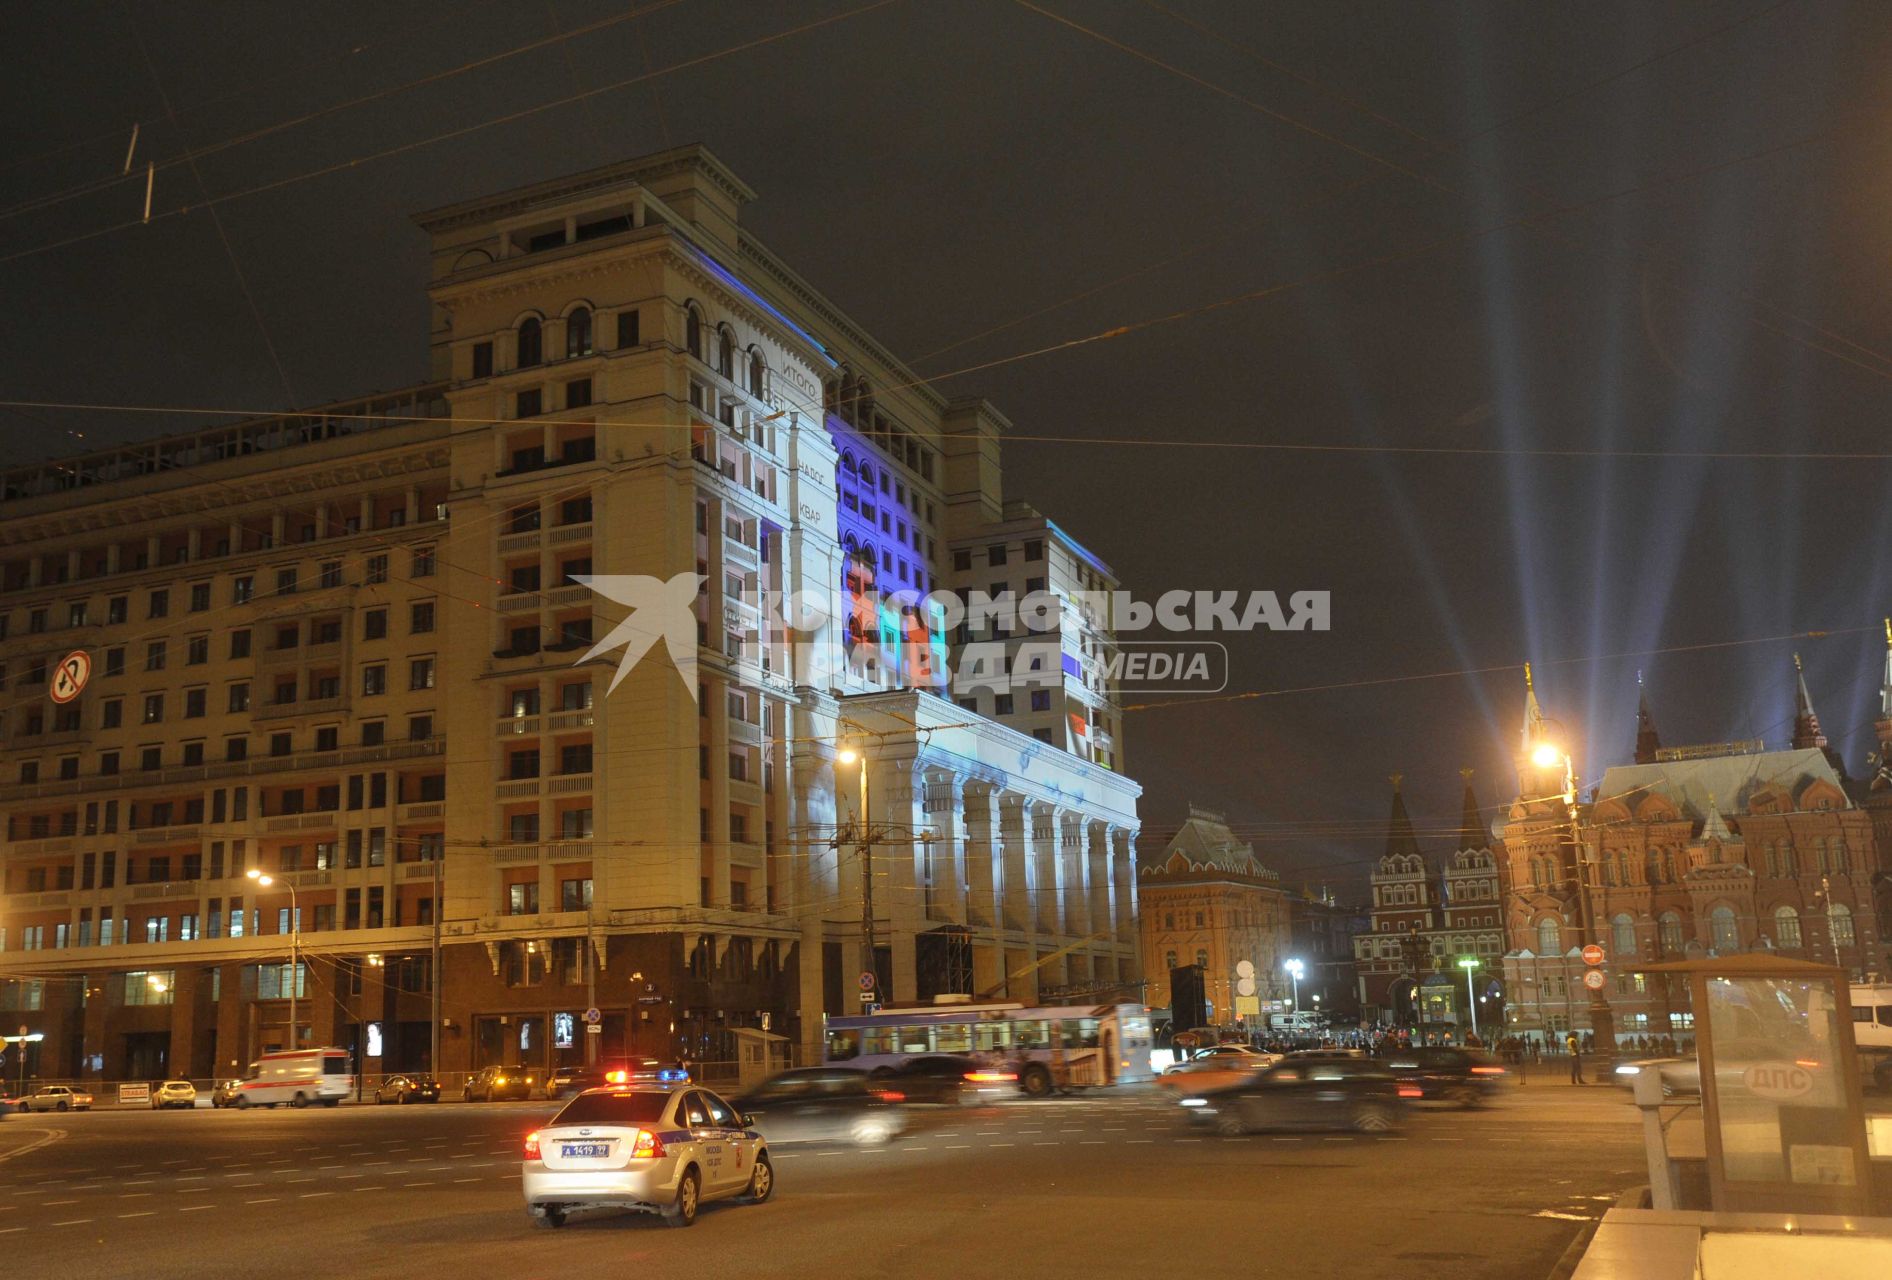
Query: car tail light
x=991, y=1077
x=1487, y=1071
x=647, y=1147
x=890, y=1095
x=1412, y=1093
x=532, y=1145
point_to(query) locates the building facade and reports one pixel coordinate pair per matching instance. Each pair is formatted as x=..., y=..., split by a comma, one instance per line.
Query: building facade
x=1686, y=852
x=1430, y=955
x=1206, y=900
x=372, y=652
x=1321, y=930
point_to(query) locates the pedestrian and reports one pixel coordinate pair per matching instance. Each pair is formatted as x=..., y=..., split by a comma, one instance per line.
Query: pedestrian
x=1576, y=1059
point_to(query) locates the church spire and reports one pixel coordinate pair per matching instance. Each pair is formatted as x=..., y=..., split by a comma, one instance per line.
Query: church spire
x=1806, y=722
x=1471, y=828
x=1647, y=741
x=1533, y=716
x=1401, y=839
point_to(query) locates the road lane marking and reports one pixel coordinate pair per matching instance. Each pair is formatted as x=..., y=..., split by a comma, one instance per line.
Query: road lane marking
x=73, y=1222
x=193, y=1208
x=143, y=1213
x=310, y=1195
x=263, y=1200
x=417, y=1184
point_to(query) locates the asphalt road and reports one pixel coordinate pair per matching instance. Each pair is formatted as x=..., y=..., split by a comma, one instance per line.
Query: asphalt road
x=1105, y=1186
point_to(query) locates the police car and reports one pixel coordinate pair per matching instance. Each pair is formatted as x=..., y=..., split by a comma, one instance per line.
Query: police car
x=648, y=1148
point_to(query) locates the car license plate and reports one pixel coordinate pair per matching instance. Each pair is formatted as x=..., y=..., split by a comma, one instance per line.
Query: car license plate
x=584, y=1150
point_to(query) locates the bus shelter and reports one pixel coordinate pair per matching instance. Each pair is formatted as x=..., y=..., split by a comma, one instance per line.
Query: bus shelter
x=1783, y=1124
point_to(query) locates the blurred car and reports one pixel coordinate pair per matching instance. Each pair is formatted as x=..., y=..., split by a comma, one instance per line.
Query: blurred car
x=825, y=1104
x=944, y=1079
x=1443, y=1073
x=408, y=1088
x=569, y=1082
x=56, y=1097
x=1217, y=1067
x=226, y=1093
x=1329, y=1054
x=654, y=1148
x=173, y=1093
x=1339, y=1093
x=499, y=1084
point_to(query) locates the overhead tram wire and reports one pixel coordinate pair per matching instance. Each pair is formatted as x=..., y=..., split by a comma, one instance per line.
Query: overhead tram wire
x=1527, y=223
x=1349, y=101
x=510, y=117
x=191, y=156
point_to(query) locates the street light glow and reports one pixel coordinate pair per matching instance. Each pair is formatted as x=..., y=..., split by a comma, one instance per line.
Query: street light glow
x=1546, y=755
x=1468, y=962
x=847, y=755
x=259, y=877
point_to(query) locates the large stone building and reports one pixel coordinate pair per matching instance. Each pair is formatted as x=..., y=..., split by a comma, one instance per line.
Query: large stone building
x=1686, y=852
x=1206, y=900
x=1321, y=931
x=1425, y=921
x=353, y=650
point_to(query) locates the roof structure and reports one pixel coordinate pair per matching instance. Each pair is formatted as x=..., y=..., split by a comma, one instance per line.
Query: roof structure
x=1205, y=843
x=1716, y=784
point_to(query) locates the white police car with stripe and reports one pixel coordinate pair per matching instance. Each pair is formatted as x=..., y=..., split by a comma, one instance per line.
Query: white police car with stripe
x=646, y=1148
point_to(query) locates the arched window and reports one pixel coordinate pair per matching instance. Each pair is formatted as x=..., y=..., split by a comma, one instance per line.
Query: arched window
x=1169, y=922
x=1550, y=936
x=1609, y=872
x=1669, y=933
x=758, y=374
x=1202, y=958
x=1786, y=927
x=693, y=332
x=1772, y=855
x=726, y=353
x=578, y=333
x=1840, y=862
x=531, y=342
x=1169, y=959
x=1723, y=933
x=1623, y=935
x=1839, y=918
x=1819, y=854
x=1791, y=859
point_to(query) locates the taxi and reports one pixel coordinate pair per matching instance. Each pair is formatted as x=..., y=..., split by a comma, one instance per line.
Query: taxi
x=647, y=1148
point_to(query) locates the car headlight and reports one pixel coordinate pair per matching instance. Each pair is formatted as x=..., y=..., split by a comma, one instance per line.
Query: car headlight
x=1195, y=1102
x=1628, y=1070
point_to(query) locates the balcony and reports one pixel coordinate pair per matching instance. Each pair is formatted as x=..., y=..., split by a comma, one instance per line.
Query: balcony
x=517, y=789
x=168, y=889
x=526, y=540
x=565, y=784
x=520, y=602
x=566, y=534
x=39, y=845
x=421, y=812
x=308, y=707
x=330, y=652
x=515, y=726
x=33, y=901
x=569, y=720
x=168, y=835
x=420, y=870
x=309, y=879
x=328, y=818
x=512, y=854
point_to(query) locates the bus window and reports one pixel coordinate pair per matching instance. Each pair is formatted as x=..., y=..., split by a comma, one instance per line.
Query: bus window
x=992, y=1037
x=953, y=1037
x=1033, y=1033
x=914, y=1039
x=1078, y=1033
x=878, y=1040
x=843, y=1045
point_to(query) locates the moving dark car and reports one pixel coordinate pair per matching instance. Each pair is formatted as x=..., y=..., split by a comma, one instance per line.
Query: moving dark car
x=824, y=1104
x=406, y=1088
x=1441, y=1073
x=499, y=1084
x=935, y=1077
x=569, y=1082
x=1328, y=1093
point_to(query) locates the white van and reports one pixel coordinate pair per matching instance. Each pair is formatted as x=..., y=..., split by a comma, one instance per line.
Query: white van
x=297, y=1077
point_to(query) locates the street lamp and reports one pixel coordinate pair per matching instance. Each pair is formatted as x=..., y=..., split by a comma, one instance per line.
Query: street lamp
x=870, y=968
x=295, y=939
x=1549, y=755
x=1469, y=963
x=1295, y=969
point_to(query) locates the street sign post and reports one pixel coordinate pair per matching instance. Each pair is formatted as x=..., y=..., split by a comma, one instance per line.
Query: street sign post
x=1594, y=979
x=69, y=679
x=1592, y=955
x=867, y=982
x=593, y=1016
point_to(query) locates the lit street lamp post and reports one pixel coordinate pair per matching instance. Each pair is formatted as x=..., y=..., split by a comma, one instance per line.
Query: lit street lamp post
x=870, y=967
x=1469, y=963
x=1295, y=969
x=295, y=939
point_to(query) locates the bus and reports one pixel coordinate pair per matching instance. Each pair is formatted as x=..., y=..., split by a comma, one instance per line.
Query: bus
x=1056, y=1047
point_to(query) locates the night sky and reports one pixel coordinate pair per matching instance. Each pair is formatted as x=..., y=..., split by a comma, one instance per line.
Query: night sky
x=1526, y=265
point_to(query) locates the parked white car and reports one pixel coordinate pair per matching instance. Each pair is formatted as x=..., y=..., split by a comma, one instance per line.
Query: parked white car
x=173, y=1093
x=56, y=1097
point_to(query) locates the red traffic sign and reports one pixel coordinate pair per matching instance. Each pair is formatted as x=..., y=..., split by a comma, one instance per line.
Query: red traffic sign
x=1593, y=954
x=1594, y=979
x=69, y=680
x=867, y=981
